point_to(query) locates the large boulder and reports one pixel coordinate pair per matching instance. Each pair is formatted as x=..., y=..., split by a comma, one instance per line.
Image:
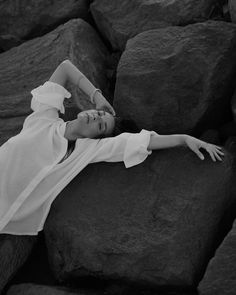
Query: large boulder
x=14, y=251
x=220, y=276
x=32, y=63
x=118, y=21
x=27, y=18
x=171, y=80
x=35, y=289
x=233, y=105
x=153, y=225
x=8, y=41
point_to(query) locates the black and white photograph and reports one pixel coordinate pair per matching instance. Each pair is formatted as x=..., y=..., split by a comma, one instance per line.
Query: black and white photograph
x=118, y=147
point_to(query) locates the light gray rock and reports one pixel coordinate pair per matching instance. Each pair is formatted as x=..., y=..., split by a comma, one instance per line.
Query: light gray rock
x=119, y=21
x=170, y=80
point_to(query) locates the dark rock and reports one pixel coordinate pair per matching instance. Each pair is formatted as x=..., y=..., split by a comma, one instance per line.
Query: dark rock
x=231, y=144
x=152, y=225
x=119, y=289
x=8, y=41
x=233, y=104
x=232, y=10
x=170, y=80
x=227, y=130
x=14, y=251
x=29, y=18
x=220, y=276
x=32, y=63
x=119, y=21
x=211, y=136
x=34, y=289
x=36, y=269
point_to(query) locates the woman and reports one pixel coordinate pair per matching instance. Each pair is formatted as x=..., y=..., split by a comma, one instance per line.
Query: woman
x=48, y=153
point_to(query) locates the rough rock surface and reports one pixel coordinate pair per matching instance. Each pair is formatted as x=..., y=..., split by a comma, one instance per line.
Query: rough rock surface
x=24, y=18
x=233, y=105
x=120, y=20
x=220, y=276
x=232, y=10
x=154, y=224
x=8, y=41
x=14, y=250
x=170, y=80
x=31, y=64
x=34, y=289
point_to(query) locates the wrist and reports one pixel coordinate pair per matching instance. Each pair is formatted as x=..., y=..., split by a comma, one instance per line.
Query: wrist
x=96, y=95
x=185, y=138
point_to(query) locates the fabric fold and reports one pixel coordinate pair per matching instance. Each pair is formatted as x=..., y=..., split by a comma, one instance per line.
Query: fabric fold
x=33, y=175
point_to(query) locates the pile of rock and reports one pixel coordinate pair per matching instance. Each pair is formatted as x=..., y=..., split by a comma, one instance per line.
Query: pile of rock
x=170, y=66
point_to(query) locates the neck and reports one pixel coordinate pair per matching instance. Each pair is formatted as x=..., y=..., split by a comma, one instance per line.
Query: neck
x=69, y=132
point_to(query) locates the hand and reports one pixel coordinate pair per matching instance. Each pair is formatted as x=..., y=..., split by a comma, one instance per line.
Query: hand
x=195, y=144
x=102, y=104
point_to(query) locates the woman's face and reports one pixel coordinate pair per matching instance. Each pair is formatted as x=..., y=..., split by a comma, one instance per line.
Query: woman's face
x=93, y=124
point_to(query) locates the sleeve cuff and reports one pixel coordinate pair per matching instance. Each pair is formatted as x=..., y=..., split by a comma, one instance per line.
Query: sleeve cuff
x=59, y=88
x=50, y=94
x=136, y=150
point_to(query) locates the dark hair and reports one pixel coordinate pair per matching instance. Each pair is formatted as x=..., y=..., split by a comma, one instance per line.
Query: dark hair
x=125, y=125
x=121, y=126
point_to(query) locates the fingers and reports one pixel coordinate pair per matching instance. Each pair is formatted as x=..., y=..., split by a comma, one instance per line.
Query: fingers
x=212, y=155
x=111, y=110
x=108, y=108
x=214, y=152
x=218, y=157
x=199, y=154
x=220, y=152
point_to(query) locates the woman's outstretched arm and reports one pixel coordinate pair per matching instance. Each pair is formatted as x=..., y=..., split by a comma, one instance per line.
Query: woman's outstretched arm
x=67, y=71
x=167, y=141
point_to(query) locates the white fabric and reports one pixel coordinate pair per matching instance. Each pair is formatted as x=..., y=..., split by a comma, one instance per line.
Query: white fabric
x=32, y=176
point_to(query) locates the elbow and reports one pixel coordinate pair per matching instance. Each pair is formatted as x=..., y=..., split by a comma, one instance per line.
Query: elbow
x=65, y=67
x=66, y=61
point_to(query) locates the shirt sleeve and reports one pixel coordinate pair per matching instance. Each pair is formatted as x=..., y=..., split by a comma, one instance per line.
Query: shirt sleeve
x=49, y=95
x=131, y=148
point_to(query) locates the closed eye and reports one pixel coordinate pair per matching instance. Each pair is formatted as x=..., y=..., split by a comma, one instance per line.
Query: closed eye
x=101, y=113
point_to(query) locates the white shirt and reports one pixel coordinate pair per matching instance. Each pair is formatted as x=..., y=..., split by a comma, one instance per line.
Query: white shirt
x=32, y=176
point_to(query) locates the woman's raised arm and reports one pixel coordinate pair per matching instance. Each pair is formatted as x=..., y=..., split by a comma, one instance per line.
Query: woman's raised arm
x=67, y=71
x=59, y=76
